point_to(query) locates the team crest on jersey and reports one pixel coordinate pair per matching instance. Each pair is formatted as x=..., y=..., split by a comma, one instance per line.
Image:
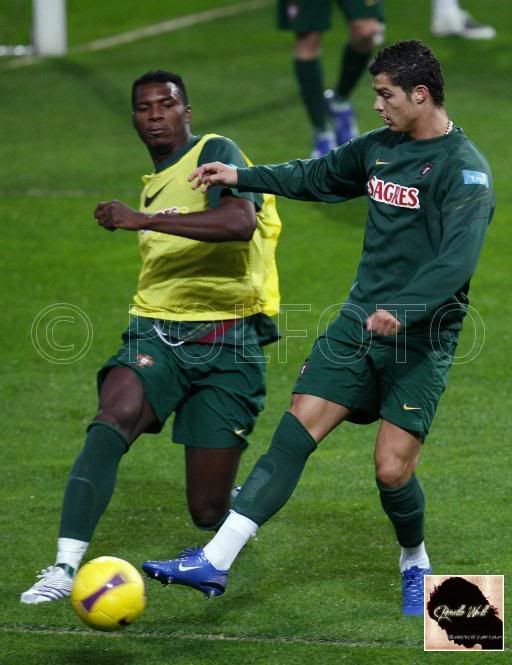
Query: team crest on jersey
x=393, y=194
x=426, y=169
x=144, y=360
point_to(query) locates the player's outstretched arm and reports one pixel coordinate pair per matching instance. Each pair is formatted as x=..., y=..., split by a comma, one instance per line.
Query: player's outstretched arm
x=214, y=173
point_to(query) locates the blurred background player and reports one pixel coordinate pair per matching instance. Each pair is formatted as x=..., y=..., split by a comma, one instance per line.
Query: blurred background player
x=449, y=19
x=207, y=286
x=330, y=112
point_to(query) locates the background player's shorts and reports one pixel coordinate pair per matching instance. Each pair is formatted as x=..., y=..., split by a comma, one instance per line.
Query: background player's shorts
x=399, y=379
x=215, y=390
x=315, y=15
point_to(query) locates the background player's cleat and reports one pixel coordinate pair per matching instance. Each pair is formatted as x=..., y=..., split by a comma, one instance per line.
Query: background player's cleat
x=191, y=569
x=413, y=584
x=343, y=118
x=53, y=583
x=323, y=142
x=460, y=24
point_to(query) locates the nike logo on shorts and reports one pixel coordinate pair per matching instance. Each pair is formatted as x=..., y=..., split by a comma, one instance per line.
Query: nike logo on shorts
x=406, y=407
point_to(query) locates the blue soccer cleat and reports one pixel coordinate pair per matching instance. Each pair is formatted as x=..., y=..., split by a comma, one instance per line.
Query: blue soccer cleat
x=192, y=569
x=323, y=142
x=413, y=584
x=343, y=118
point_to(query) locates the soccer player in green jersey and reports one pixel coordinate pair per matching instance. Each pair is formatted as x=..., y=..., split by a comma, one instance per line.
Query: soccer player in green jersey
x=330, y=112
x=386, y=357
x=207, y=287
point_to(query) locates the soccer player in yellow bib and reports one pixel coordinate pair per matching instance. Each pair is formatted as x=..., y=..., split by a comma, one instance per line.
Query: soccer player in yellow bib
x=207, y=288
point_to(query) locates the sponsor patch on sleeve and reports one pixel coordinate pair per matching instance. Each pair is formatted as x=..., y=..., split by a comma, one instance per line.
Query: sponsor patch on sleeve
x=475, y=178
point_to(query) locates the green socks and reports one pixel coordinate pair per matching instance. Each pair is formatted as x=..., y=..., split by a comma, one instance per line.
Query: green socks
x=310, y=77
x=353, y=66
x=405, y=507
x=91, y=481
x=277, y=472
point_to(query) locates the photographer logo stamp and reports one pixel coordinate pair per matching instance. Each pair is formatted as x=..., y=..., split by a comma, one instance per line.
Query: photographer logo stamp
x=464, y=613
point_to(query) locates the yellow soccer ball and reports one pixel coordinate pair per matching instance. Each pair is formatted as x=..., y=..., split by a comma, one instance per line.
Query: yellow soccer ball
x=108, y=593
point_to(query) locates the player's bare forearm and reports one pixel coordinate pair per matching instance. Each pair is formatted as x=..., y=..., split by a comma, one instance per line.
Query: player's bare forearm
x=383, y=322
x=213, y=173
x=114, y=215
x=234, y=219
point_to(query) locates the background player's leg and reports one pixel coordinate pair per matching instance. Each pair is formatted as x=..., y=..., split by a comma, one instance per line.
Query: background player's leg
x=355, y=56
x=210, y=476
x=310, y=77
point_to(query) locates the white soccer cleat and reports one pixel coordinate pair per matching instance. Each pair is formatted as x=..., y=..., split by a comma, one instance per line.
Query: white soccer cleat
x=460, y=24
x=53, y=583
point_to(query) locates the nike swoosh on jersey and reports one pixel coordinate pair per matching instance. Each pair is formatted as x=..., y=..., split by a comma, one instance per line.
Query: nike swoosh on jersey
x=239, y=432
x=184, y=568
x=379, y=162
x=149, y=199
x=406, y=407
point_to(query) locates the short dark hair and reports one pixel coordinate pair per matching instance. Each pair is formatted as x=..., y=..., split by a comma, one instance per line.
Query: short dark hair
x=160, y=76
x=409, y=64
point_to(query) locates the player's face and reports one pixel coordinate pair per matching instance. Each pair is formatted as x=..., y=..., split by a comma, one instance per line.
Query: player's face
x=160, y=117
x=398, y=109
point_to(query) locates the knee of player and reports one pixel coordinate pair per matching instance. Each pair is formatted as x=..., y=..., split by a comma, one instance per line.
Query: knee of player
x=123, y=416
x=208, y=516
x=308, y=45
x=391, y=474
x=365, y=34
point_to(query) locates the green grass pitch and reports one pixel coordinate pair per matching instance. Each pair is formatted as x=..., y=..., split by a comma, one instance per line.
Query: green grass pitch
x=320, y=581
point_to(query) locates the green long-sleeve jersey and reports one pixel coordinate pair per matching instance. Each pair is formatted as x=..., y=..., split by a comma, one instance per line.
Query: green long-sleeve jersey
x=429, y=205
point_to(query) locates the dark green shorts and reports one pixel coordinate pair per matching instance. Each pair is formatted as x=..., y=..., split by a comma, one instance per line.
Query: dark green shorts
x=215, y=390
x=399, y=379
x=315, y=15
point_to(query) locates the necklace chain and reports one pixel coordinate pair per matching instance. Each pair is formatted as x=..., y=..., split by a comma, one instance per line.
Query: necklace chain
x=449, y=128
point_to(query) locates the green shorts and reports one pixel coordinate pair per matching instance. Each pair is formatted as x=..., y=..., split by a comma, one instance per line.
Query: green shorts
x=216, y=390
x=400, y=379
x=315, y=15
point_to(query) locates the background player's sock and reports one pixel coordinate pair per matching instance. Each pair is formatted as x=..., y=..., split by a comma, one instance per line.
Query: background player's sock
x=414, y=556
x=443, y=7
x=70, y=553
x=353, y=66
x=231, y=537
x=91, y=481
x=405, y=507
x=310, y=77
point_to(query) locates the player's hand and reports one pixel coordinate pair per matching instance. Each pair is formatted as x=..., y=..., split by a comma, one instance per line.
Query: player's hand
x=383, y=322
x=214, y=173
x=114, y=215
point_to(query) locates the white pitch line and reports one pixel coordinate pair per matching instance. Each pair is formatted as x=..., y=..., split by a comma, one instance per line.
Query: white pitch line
x=209, y=637
x=151, y=30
